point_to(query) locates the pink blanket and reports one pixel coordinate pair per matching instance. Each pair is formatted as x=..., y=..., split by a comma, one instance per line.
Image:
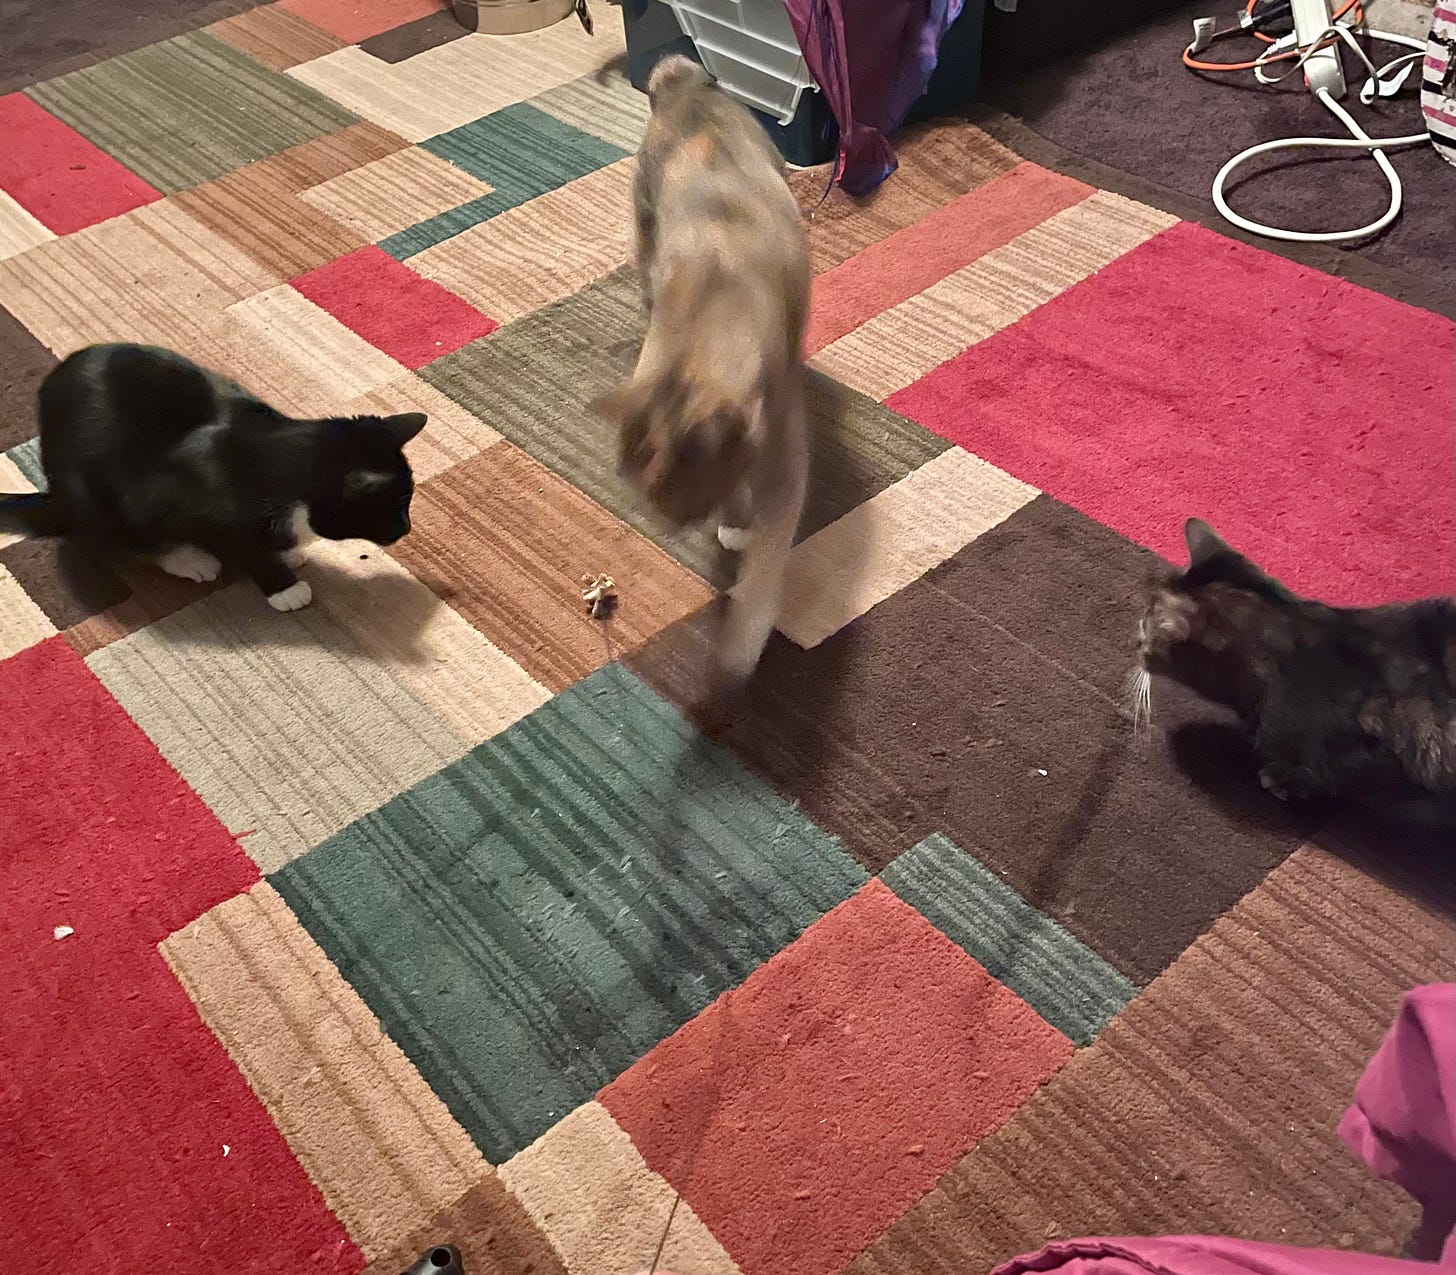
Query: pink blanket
x=1402, y=1124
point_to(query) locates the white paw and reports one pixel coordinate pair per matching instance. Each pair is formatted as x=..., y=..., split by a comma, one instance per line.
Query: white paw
x=1272, y=786
x=294, y=598
x=293, y=557
x=188, y=562
x=734, y=539
x=737, y=662
x=743, y=642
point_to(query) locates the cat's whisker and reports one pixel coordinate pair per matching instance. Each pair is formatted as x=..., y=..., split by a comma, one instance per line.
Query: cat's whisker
x=1140, y=703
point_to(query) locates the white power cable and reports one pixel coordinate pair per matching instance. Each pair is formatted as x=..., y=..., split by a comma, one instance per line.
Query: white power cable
x=1359, y=139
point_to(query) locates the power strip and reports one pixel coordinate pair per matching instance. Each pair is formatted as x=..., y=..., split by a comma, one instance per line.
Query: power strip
x=1315, y=46
x=1322, y=69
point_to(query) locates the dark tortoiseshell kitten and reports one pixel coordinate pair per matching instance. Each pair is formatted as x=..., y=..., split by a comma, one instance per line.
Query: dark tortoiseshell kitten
x=1337, y=700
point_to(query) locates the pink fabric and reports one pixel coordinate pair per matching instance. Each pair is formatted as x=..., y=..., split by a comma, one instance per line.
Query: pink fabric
x=1201, y=1255
x=1403, y=1120
x=1402, y=1124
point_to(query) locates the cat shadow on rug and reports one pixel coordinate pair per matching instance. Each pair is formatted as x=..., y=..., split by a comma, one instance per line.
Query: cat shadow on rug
x=1216, y=755
x=385, y=614
x=788, y=711
x=1114, y=750
x=1401, y=839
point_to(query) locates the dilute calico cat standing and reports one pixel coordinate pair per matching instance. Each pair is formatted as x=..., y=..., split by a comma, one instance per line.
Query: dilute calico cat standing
x=145, y=452
x=1354, y=701
x=712, y=420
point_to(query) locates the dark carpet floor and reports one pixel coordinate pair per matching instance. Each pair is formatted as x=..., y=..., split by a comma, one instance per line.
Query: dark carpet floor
x=1128, y=103
x=40, y=39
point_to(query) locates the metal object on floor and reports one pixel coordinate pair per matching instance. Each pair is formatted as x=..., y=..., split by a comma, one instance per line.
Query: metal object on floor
x=441, y=1259
x=510, y=17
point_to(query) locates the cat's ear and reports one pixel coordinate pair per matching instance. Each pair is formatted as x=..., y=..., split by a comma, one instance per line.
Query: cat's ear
x=405, y=426
x=1203, y=542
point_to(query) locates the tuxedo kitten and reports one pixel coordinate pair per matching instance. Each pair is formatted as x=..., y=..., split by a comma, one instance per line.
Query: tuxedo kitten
x=145, y=452
x=1337, y=700
x=712, y=421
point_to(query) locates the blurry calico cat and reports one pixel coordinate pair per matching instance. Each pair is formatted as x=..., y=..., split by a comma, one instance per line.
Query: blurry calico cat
x=712, y=420
x=145, y=452
x=1338, y=700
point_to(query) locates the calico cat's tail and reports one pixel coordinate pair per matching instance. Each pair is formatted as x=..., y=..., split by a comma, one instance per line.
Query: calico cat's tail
x=36, y=513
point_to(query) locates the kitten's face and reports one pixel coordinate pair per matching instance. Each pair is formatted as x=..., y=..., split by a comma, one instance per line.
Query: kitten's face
x=364, y=485
x=1176, y=630
x=685, y=450
x=1214, y=626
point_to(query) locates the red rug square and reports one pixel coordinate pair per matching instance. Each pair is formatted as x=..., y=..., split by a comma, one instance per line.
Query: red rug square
x=940, y=243
x=801, y=1113
x=117, y=1101
x=65, y=182
x=355, y=20
x=1308, y=419
x=410, y=318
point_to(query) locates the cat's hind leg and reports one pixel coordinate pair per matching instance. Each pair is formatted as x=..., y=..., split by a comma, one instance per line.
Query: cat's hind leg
x=188, y=562
x=753, y=608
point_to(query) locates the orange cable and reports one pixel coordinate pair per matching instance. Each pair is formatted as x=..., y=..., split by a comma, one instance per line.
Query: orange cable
x=1192, y=63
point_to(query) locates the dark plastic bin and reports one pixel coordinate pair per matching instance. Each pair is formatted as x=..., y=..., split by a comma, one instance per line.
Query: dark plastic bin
x=812, y=136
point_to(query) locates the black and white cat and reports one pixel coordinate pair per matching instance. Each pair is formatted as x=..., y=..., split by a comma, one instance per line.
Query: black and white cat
x=145, y=452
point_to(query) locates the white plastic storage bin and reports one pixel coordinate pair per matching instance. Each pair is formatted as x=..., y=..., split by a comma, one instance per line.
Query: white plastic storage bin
x=749, y=47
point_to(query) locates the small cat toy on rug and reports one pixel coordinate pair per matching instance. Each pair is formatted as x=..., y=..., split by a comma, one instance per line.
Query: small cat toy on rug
x=1338, y=700
x=599, y=592
x=145, y=452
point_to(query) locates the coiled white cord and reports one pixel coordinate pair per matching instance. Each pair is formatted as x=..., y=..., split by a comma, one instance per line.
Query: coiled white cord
x=1359, y=139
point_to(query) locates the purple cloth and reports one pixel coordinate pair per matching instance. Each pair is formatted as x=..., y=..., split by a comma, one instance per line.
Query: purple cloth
x=1402, y=1124
x=1202, y=1255
x=872, y=59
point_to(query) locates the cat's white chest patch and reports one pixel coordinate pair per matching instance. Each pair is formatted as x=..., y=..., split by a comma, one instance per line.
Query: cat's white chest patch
x=302, y=532
x=299, y=526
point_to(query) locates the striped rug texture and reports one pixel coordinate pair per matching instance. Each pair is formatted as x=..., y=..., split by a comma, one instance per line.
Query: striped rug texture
x=430, y=913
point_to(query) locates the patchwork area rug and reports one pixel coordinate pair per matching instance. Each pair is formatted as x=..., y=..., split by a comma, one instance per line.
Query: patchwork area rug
x=430, y=913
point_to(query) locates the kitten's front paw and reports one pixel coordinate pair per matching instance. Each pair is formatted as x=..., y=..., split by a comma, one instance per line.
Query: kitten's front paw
x=294, y=598
x=1292, y=783
x=734, y=539
x=293, y=557
x=188, y=562
x=1271, y=783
